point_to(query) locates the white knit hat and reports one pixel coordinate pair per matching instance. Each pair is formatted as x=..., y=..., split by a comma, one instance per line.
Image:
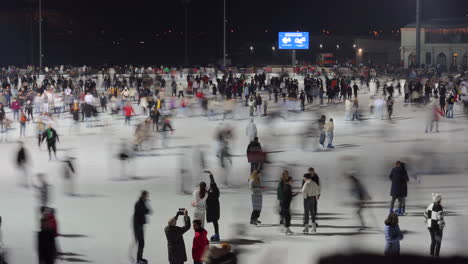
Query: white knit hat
x=436, y=197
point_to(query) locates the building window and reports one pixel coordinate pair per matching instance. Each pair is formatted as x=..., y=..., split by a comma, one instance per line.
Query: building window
x=465, y=59
x=411, y=60
x=442, y=59
x=428, y=58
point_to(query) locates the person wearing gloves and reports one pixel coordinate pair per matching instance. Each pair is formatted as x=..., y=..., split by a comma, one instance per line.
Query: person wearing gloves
x=175, y=240
x=251, y=130
x=434, y=219
x=200, y=195
x=310, y=193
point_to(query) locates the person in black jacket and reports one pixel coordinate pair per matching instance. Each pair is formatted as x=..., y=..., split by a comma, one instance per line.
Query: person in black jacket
x=399, y=190
x=51, y=135
x=286, y=204
x=175, y=240
x=139, y=220
x=103, y=100
x=212, y=207
x=254, y=155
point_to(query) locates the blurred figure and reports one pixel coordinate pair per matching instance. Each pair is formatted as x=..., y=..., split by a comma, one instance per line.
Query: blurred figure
x=359, y=192
x=69, y=175
x=390, y=107
x=22, y=163
x=434, y=218
x=43, y=189
x=348, y=107
x=321, y=127
x=329, y=128
x=22, y=120
x=256, y=188
x=251, y=130
x=175, y=240
x=200, y=196
x=3, y=251
x=220, y=255
x=434, y=116
x=128, y=111
x=255, y=155
x=139, y=220
x=399, y=190
x=279, y=193
x=212, y=208
x=46, y=246
x=393, y=235
x=200, y=242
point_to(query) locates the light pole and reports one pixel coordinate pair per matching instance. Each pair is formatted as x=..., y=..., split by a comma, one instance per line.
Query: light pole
x=40, y=36
x=224, y=34
x=186, y=56
x=418, y=33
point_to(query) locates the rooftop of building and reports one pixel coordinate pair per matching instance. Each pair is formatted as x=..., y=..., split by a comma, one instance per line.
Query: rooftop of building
x=442, y=23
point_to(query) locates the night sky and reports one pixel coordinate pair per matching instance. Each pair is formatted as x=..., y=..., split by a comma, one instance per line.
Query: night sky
x=151, y=31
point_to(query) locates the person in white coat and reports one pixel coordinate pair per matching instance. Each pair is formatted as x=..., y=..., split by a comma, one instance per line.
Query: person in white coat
x=348, y=106
x=180, y=90
x=251, y=130
x=199, y=203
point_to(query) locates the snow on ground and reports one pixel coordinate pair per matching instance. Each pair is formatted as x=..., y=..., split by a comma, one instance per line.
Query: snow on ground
x=98, y=222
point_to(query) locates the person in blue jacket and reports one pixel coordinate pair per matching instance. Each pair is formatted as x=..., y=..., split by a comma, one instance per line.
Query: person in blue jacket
x=393, y=235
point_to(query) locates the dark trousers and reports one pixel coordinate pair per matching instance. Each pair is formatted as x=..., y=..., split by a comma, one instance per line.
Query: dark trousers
x=401, y=203
x=436, y=241
x=181, y=93
x=310, y=208
x=140, y=239
x=286, y=213
x=216, y=227
x=51, y=147
x=197, y=262
x=255, y=215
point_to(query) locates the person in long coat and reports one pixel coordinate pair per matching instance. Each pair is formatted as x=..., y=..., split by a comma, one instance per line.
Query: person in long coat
x=212, y=207
x=399, y=190
x=175, y=240
x=255, y=186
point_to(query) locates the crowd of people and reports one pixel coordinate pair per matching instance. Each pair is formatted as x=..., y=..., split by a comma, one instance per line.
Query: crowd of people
x=154, y=97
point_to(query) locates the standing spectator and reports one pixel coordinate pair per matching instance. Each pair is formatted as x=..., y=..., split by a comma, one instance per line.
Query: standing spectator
x=139, y=220
x=434, y=216
x=390, y=107
x=15, y=107
x=399, y=190
x=212, y=208
x=279, y=193
x=175, y=239
x=200, y=242
x=393, y=235
x=200, y=196
x=180, y=89
x=256, y=188
x=285, y=208
x=255, y=155
x=103, y=101
x=22, y=121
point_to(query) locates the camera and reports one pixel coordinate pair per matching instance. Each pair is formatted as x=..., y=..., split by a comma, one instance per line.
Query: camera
x=181, y=211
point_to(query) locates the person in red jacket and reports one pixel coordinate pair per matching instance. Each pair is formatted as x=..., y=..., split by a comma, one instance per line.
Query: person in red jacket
x=200, y=242
x=15, y=106
x=128, y=111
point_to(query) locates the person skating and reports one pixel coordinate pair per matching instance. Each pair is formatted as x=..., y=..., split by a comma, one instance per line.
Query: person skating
x=175, y=240
x=139, y=220
x=390, y=107
x=255, y=155
x=361, y=197
x=68, y=175
x=434, y=218
x=200, y=196
x=279, y=193
x=399, y=190
x=22, y=163
x=329, y=128
x=46, y=246
x=128, y=111
x=393, y=235
x=51, y=135
x=200, y=242
x=103, y=101
x=288, y=195
x=251, y=130
x=212, y=208
x=321, y=127
x=256, y=188
x=22, y=120
x=43, y=190
x=310, y=193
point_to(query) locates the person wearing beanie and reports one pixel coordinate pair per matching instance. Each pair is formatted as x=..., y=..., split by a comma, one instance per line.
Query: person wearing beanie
x=434, y=219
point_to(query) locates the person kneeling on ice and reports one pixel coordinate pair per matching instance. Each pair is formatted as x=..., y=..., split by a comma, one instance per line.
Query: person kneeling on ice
x=175, y=240
x=200, y=242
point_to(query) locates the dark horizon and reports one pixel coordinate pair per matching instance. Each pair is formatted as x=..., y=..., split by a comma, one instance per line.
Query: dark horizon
x=152, y=32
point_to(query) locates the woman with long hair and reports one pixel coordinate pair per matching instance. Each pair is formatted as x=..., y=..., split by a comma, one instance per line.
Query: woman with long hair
x=199, y=203
x=255, y=186
x=393, y=235
x=279, y=192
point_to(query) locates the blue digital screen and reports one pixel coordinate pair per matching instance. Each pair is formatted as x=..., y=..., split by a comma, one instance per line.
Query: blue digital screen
x=293, y=40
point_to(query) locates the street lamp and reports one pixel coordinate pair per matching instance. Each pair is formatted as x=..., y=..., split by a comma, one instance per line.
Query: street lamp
x=186, y=56
x=360, y=51
x=354, y=46
x=337, y=46
x=40, y=36
x=321, y=46
x=273, y=48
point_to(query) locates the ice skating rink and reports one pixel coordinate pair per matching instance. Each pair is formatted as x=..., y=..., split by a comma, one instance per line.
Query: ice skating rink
x=96, y=224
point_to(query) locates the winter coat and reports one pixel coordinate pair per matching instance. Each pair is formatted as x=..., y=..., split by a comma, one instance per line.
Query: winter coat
x=200, y=203
x=254, y=152
x=51, y=135
x=257, y=197
x=328, y=126
x=251, y=130
x=175, y=242
x=46, y=247
x=287, y=195
x=200, y=243
x=393, y=236
x=399, y=178
x=212, y=202
x=310, y=189
x=348, y=105
x=139, y=215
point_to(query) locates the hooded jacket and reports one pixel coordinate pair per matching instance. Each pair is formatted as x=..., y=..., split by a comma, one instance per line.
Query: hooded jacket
x=200, y=242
